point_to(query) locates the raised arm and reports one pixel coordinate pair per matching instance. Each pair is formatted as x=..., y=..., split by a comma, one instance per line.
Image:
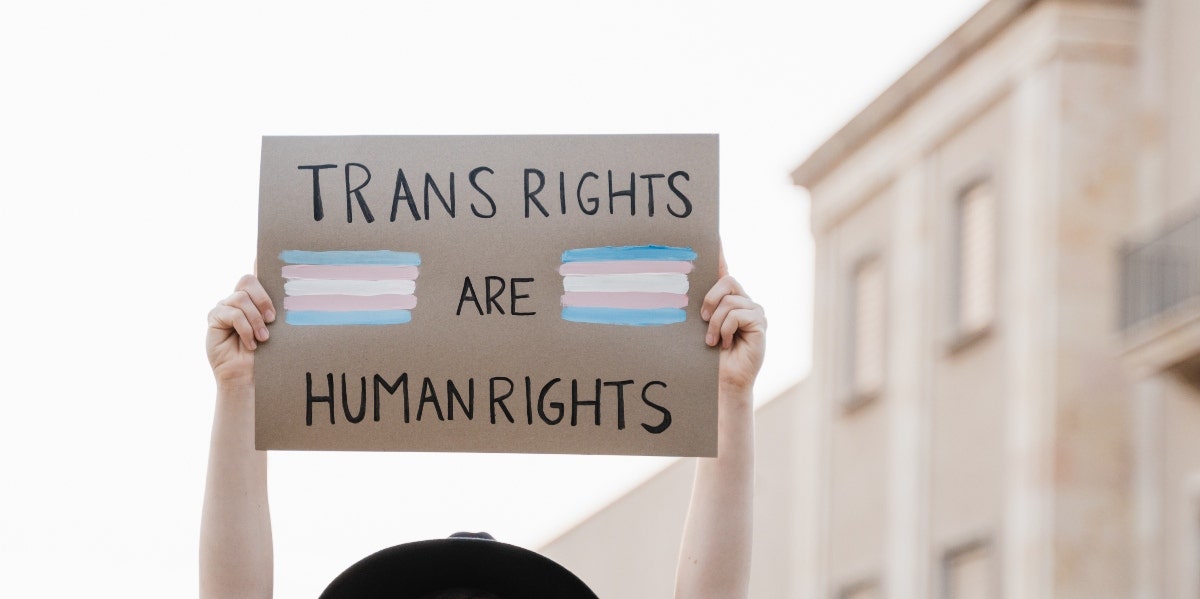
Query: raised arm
x=236, y=556
x=714, y=559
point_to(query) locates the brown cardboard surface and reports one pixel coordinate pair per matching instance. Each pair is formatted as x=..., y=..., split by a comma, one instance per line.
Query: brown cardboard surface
x=448, y=347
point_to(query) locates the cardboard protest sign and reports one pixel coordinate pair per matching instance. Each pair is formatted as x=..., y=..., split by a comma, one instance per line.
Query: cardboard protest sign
x=535, y=294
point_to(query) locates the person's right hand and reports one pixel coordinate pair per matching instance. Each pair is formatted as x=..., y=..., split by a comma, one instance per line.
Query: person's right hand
x=235, y=328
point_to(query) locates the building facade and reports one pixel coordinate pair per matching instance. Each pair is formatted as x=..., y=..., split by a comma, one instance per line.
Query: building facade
x=1005, y=394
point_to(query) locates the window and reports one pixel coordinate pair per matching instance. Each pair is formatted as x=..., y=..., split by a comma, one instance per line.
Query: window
x=974, y=301
x=867, y=316
x=967, y=572
x=860, y=590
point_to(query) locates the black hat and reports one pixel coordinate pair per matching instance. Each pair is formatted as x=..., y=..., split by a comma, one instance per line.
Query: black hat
x=465, y=560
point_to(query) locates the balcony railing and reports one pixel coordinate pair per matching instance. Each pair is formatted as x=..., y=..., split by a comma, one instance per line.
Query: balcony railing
x=1160, y=273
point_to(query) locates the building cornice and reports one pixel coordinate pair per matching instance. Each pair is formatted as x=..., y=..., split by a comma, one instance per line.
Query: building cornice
x=872, y=161
x=972, y=35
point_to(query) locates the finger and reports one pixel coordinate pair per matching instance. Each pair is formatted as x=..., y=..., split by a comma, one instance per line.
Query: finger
x=729, y=328
x=740, y=319
x=722, y=266
x=725, y=286
x=258, y=294
x=727, y=305
x=226, y=317
x=242, y=301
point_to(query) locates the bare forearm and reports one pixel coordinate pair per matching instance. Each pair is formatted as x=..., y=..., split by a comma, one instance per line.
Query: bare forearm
x=236, y=558
x=714, y=559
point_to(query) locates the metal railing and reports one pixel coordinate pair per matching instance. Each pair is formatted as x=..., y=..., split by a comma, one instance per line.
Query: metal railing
x=1160, y=273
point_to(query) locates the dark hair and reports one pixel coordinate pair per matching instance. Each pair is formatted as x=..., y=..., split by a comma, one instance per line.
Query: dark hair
x=460, y=593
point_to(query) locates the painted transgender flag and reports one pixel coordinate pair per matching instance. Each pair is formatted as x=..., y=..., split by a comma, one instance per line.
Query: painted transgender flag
x=639, y=286
x=349, y=287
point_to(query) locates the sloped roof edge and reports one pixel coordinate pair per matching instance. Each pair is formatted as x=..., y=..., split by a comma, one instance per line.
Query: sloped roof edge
x=980, y=28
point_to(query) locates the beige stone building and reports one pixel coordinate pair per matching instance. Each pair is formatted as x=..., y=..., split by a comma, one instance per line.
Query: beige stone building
x=1005, y=395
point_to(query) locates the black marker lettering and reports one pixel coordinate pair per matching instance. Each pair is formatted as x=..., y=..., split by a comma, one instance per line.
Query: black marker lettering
x=391, y=389
x=562, y=191
x=356, y=193
x=620, y=385
x=531, y=196
x=493, y=296
x=318, y=208
x=403, y=193
x=495, y=400
x=452, y=396
x=687, y=204
x=666, y=419
x=575, y=402
x=323, y=398
x=431, y=184
x=429, y=395
x=650, y=190
x=514, y=296
x=594, y=201
x=362, y=402
x=613, y=194
x=554, y=404
x=468, y=293
x=474, y=183
x=529, y=399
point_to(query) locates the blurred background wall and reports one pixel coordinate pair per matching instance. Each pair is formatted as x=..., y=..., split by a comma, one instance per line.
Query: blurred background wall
x=1004, y=399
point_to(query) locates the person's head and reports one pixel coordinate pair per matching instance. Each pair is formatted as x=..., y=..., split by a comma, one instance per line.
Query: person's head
x=464, y=566
x=460, y=593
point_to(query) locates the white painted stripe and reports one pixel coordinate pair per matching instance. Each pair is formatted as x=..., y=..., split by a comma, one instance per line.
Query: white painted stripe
x=324, y=287
x=645, y=283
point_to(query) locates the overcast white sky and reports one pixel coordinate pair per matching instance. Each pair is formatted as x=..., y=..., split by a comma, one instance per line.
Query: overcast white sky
x=130, y=144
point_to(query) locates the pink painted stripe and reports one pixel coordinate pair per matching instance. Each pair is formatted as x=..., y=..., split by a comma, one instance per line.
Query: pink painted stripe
x=351, y=273
x=634, y=300
x=625, y=267
x=348, y=303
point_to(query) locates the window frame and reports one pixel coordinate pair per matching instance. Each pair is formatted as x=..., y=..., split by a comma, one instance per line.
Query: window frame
x=957, y=551
x=848, y=590
x=854, y=397
x=959, y=337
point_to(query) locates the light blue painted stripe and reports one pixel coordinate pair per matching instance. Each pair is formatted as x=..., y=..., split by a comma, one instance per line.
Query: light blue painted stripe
x=624, y=316
x=630, y=252
x=312, y=317
x=346, y=257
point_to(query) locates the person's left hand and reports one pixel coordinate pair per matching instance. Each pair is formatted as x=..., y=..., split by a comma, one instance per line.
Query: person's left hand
x=739, y=326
